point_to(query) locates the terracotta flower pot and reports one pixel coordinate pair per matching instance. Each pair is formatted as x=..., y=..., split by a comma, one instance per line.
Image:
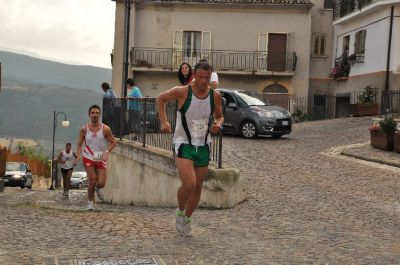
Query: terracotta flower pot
x=396, y=142
x=382, y=140
x=365, y=109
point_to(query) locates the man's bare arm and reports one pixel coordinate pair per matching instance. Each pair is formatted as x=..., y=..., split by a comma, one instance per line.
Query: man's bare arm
x=176, y=93
x=81, y=139
x=218, y=116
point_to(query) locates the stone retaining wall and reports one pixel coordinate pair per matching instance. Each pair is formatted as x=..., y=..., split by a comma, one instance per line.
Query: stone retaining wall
x=147, y=177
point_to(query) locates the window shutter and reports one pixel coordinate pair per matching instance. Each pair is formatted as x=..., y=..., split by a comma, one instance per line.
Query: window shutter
x=206, y=46
x=262, y=51
x=290, y=42
x=177, y=53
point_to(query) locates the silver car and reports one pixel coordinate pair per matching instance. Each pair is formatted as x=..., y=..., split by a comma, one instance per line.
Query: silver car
x=79, y=179
x=18, y=174
x=251, y=116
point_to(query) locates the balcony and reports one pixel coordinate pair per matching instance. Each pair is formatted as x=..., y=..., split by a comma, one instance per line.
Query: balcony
x=345, y=7
x=233, y=62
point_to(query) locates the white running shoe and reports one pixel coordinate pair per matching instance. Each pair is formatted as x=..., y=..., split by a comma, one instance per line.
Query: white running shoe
x=90, y=206
x=66, y=193
x=183, y=224
x=187, y=231
x=99, y=194
x=180, y=221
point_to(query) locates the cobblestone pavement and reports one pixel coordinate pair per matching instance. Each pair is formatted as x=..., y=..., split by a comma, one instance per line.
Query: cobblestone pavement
x=304, y=207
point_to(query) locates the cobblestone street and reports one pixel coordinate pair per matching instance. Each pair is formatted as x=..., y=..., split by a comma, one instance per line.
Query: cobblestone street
x=304, y=206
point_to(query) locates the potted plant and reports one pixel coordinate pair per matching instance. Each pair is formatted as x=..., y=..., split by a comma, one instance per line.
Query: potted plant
x=366, y=105
x=396, y=142
x=382, y=134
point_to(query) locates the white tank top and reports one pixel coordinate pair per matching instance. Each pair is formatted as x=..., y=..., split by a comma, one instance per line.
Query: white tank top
x=68, y=159
x=95, y=144
x=193, y=120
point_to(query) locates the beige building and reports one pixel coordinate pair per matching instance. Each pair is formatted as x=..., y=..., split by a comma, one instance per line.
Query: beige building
x=267, y=46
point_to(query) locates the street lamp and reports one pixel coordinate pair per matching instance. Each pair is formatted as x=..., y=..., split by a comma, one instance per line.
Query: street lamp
x=64, y=123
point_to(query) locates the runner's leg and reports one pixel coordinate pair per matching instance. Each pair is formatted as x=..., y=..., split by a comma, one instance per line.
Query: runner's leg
x=194, y=198
x=101, y=178
x=68, y=180
x=188, y=180
x=92, y=176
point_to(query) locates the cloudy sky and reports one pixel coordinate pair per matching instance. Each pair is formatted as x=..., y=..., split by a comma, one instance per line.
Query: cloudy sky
x=74, y=31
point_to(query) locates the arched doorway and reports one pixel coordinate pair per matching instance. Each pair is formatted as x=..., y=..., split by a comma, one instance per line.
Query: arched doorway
x=277, y=94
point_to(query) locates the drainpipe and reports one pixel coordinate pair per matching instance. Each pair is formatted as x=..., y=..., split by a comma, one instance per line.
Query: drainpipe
x=384, y=108
x=126, y=45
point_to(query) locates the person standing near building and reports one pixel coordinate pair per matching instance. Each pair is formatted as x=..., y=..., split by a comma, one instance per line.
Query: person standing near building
x=214, y=76
x=197, y=103
x=185, y=74
x=67, y=159
x=112, y=110
x=94, y=145
x=133, y=105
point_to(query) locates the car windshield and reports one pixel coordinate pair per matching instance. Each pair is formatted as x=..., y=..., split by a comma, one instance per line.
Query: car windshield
x=251, y=100
x=77, y=175
x=15, y=167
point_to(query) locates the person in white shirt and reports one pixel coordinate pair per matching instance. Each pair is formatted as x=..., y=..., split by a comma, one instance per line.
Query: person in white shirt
x=214, y=76
x=94, y=145
x=67, y=159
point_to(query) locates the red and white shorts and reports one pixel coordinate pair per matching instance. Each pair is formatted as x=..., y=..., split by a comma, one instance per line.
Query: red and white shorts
x=100, y=164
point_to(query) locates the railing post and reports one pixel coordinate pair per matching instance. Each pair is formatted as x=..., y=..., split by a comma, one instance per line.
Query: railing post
x=144, y=120
x=220, y=148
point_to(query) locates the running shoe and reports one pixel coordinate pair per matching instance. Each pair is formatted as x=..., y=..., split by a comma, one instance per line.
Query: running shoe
x=99, y=194
x=90, y=206
x=180, y=221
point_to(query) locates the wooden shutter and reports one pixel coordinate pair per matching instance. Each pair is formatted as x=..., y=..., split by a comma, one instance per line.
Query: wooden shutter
x=177, y=53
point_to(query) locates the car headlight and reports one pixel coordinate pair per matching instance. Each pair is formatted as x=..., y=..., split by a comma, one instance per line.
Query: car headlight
x=17, y=176
x=267, y=114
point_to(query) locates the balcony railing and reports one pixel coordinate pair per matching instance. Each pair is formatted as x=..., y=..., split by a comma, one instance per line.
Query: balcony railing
x=345, y=7
x=244, y=61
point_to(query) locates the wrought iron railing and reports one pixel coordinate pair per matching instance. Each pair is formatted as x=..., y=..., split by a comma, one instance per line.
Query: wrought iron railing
x=137, y=120
x=249, y=61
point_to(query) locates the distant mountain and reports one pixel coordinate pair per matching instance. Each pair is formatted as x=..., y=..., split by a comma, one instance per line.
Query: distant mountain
x=26, y=111
x=30, y=70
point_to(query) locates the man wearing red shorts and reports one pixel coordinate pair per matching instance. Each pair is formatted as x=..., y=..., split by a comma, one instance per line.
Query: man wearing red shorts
x=94, y=145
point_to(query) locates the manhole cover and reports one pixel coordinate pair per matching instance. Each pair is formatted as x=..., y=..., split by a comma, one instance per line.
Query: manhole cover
x=122, y=261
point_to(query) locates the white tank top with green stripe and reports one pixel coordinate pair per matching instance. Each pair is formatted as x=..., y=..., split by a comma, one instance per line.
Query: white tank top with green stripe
x=193, y=120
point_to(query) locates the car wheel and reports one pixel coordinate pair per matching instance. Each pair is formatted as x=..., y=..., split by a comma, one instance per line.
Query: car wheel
x=248, y=129
x=276, y=136
x=23, y=186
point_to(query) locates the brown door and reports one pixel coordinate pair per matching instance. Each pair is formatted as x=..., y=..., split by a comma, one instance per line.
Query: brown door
x=277, y=52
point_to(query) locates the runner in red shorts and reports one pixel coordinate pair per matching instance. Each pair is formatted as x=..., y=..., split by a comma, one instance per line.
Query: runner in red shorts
x=94, y=144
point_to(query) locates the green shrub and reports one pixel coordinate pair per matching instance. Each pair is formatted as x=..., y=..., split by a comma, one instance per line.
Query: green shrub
x=388, y=125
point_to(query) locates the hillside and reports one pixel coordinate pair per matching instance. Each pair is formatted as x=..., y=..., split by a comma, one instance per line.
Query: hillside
x=30, y=70
x=27, y=112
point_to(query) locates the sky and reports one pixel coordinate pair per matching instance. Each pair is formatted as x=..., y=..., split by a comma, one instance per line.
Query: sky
x=70, y=31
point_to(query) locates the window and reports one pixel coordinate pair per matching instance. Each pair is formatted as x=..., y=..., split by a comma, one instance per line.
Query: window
x=191, y=46
x=359, y=44
x=328, y=4
x=319, y=45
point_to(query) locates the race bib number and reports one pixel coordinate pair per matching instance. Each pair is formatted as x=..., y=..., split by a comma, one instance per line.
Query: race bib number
x=68, y=163
x=199, y=127
x=98, y=155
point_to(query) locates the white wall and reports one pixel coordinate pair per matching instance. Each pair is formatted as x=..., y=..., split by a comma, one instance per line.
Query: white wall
x=376, y=40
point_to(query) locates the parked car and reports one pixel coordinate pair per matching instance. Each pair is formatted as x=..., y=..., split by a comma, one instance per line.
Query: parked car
x=79, y=179
x=18, y=174
x=251, y=116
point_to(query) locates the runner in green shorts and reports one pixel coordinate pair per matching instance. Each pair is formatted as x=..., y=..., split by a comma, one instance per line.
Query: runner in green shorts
x=197, y=104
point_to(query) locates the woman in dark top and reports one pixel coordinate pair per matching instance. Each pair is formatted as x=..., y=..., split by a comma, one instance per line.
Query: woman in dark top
x=185, y=74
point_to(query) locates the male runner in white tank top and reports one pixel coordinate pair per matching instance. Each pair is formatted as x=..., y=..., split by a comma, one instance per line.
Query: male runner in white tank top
x=67, y=160
x=196, y=103
x=98, y=142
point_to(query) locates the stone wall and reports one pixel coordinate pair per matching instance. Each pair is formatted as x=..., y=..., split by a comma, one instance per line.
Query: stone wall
x=147, y=177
